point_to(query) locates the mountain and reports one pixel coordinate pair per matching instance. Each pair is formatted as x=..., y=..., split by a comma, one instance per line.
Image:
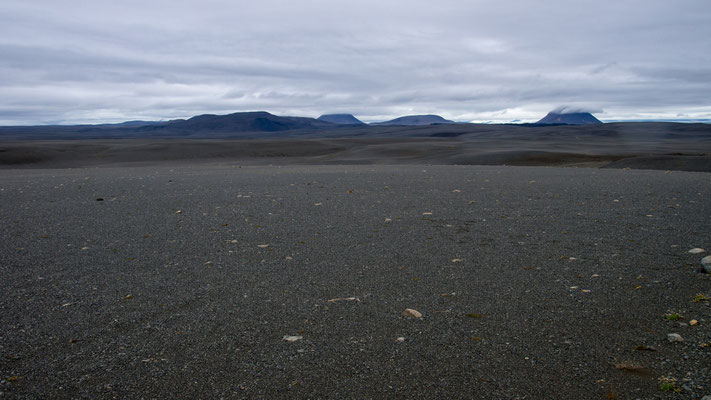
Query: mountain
x=258, y=121
x=237, y=125
x=341, y=119
x=416, y=120
x=575, y=118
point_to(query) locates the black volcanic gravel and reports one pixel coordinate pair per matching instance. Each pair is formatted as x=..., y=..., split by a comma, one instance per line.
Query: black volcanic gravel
x=533, y=283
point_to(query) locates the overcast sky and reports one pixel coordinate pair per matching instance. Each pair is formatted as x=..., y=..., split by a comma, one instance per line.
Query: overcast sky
x=504, y=60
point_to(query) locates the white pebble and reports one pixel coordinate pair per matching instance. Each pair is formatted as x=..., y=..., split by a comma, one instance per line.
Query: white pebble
x=675, y=337
x=696, y=250
x=706, y=263
x=409, y=312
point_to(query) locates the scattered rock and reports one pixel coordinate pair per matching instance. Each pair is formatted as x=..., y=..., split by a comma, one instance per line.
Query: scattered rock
x=292, y=339
x=706, y=263
x=645, y=348
x=635, y=369
x=696, y=250
x=343, y=299
x=400, y=339
x=675, y=337
x=262, y=246
x=128, y=297
x=178, y=212
x=693, y=322
x=409, y=312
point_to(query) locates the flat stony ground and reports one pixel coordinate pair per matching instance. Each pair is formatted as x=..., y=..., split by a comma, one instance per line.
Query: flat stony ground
x=182, y=282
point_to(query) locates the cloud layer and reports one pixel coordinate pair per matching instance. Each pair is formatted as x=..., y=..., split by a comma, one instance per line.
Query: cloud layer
x=105, y=61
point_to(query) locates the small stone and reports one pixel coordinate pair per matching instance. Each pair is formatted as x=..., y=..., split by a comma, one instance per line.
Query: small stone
x=178, y=212
x=292, y=339
x=409, y=312
x=696, y=250
x=343, y=299
x=706, y=263
x=128, y=297
x=400, y=339
x=675, y=337
x=707, y=397
x=693, y=322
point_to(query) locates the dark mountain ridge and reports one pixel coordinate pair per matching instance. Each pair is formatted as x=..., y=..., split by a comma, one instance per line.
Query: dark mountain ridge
x=341, y=119
x=416, y=120
x=257, y=121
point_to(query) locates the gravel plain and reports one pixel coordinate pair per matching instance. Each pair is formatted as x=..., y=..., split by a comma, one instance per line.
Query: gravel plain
x=222, y=281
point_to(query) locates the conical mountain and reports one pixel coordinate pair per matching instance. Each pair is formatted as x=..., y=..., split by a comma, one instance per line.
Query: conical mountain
x=573, y=118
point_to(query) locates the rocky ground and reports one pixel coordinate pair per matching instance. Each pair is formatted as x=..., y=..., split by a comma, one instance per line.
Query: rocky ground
x=207, y=281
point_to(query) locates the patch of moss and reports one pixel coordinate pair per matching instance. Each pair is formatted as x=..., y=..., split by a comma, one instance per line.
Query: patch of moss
x=673, y=317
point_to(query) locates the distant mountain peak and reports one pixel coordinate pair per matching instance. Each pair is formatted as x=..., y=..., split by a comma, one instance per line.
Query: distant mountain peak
x=341, y=119
x=417, y=120
x=565, y=117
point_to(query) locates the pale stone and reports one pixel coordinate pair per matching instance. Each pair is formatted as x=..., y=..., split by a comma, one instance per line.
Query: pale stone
x=675, y=337
x=409, y=312
x=706, y=263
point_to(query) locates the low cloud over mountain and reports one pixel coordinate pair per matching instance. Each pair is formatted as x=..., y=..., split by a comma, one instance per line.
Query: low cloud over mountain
x=567, y=115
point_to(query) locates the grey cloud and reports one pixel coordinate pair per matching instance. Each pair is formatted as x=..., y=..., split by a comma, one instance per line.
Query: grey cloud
x=83, y=61
x=573, y=110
